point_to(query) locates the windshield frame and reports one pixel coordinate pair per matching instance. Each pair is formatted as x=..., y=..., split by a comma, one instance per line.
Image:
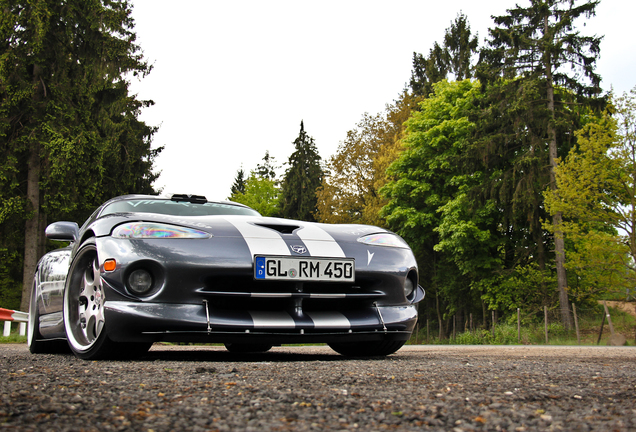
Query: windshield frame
x=175, y=208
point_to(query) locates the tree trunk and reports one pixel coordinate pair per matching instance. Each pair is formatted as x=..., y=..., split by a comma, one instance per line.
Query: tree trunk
x=557, y=218
x=442, y=332
x=537, y=234
x=32, y=226
x=41, y=229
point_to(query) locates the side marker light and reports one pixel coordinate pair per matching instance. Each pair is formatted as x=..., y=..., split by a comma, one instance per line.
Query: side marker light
x=110, y=265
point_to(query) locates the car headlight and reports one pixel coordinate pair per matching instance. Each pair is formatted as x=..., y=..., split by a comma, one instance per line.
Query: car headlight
x=148, y=230
x=383, y=239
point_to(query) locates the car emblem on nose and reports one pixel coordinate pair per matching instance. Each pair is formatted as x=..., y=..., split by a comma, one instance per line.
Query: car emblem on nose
x=299, y=249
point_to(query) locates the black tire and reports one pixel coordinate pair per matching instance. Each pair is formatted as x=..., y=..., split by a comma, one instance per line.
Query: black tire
x=367, y=349
x=247, y=347
x=37, y=344
x=84, y=300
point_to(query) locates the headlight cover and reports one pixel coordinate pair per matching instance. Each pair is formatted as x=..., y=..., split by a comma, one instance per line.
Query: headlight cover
x=150, y=230
x=383, y=239
x=409, y=287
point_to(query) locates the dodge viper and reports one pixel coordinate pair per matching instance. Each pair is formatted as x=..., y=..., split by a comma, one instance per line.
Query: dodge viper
x=144, y=269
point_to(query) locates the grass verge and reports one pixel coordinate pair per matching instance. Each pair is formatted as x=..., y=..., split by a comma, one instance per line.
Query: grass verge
x=534, y=333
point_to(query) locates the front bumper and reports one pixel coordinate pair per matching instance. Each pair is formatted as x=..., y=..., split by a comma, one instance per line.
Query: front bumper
x=154, y=322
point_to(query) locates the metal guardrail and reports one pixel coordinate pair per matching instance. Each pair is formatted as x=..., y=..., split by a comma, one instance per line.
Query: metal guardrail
x=8, y=316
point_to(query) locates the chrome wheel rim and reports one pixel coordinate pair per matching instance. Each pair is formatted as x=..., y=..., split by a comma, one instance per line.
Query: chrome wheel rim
x=84, y=301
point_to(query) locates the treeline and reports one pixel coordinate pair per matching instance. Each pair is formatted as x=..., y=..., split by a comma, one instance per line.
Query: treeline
x=70, y=136
x=505, y=166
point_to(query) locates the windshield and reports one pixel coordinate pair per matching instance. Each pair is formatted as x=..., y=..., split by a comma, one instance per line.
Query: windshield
x=176, y=208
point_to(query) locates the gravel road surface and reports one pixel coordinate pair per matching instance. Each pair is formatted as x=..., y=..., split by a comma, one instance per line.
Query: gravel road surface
x=445, y=388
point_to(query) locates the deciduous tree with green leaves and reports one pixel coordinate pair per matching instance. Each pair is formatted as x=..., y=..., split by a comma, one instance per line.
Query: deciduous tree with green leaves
x=349, y=190
x=348, y=180
x=261, y=193
x=596, y=194
x=261, y=190
x=430, y=204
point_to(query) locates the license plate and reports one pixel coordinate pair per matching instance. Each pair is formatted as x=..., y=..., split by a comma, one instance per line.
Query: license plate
x=304, y=269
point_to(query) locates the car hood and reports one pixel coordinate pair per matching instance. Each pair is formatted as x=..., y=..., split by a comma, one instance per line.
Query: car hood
x=244, y=226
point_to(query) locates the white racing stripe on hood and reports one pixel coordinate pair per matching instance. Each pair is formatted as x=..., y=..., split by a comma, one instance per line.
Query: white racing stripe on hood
x=319, y=243
x=261, y=241
x=264, y=241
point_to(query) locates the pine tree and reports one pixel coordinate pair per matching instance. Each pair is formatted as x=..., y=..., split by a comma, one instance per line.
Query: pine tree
x=70, y=136
x=302, y=179
x=428, y=70
x=267, y=169
x=454, y=56
x=238, y=187
x=460, y=46
x=532, y=51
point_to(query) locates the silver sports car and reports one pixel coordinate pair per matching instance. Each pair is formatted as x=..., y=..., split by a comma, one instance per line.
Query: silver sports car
x=144, y=269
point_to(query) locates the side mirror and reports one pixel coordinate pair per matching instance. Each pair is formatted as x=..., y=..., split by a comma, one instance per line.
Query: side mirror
x=63, y=231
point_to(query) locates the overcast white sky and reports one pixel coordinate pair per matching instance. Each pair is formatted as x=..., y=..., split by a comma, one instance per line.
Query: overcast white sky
x=233, y=79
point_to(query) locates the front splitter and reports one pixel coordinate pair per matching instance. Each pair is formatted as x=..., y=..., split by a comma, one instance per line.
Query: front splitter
x=128, y=322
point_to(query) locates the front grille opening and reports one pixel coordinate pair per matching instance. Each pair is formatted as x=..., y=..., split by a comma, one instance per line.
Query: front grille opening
x=237, y=284
x=234, y=293
x=276, y=305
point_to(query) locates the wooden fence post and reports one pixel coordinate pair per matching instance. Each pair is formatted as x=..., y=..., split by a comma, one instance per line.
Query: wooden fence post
x=600, y=334
x=518, y=325
x=576, y=324
x=454, y=321
x=609, y=318
x=417, y=331
x=428, y=332
x=545, y=313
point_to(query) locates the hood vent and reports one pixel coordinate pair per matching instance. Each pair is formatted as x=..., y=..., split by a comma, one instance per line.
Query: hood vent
x=283, y=229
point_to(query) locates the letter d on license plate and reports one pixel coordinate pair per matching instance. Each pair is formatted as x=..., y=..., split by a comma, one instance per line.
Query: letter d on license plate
x=304, y=269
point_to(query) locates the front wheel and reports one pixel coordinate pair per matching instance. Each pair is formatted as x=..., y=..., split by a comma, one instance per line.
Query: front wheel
x=84, y=299
x=367, y=349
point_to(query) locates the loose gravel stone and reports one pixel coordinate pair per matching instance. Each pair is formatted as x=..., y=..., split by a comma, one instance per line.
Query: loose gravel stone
x=450, y=388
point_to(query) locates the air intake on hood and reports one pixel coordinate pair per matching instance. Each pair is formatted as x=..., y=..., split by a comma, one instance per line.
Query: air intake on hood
x=283, y=229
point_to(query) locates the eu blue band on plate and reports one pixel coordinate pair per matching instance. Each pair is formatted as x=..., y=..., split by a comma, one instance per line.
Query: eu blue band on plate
x=260, y=268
